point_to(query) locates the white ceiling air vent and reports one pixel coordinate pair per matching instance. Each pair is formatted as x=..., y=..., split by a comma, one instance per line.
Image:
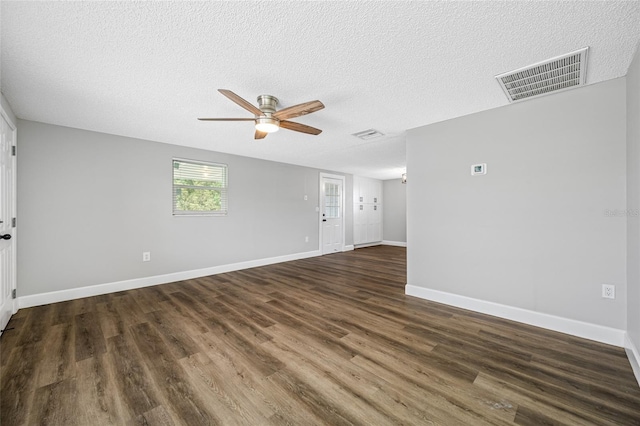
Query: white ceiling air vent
x=368, y=134
x=553, y=75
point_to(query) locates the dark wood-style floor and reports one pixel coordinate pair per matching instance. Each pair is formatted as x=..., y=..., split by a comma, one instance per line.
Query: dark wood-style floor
x=328, y=340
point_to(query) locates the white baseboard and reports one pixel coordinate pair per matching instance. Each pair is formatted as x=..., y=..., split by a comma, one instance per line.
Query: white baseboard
x=611, y=336
x=350, y=247
x=634, y=357
x=363, y=245
x=96, y=290
x=394, y=243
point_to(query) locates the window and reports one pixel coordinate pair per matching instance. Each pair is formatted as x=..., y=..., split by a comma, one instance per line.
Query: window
x=199, y=188
x=331, y=200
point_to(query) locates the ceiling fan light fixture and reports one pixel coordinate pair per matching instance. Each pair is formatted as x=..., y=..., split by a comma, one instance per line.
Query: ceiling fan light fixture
x=267, y=124
x=267, y=119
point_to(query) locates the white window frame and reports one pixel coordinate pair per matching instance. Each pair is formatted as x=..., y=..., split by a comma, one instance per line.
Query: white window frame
x=224, y=191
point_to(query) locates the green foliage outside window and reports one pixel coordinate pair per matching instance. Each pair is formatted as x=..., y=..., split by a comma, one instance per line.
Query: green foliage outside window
x=192, y=199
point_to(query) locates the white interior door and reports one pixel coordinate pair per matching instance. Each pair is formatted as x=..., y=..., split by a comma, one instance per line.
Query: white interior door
x=7, y=213
x=332, y=210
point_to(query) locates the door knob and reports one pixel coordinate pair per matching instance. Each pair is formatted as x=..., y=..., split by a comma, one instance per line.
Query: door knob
x=6, y=236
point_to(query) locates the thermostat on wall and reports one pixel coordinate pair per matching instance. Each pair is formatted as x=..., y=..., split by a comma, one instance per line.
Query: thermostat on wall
x=479, y=169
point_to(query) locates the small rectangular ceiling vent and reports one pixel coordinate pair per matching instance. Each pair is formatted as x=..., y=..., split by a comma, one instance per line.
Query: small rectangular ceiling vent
x=368, y=134
x=553, y=75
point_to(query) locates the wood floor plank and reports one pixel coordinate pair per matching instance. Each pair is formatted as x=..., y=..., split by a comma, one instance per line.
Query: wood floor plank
x=187, y=317
x=178, y=341
x=441, y=408
x=558, y=410
x=241, y=324
x=207, y=307
x=98, y=400
x=258, y=318
x=529, y=417
x=323, y=340
x=314, y=402
x=201, y=307
x=261, y=359
x=240, y=372
x=63, y=312
x=147, y=301
x=434, y=371
x=157, y=417
x=10, y=338
x=133, y=382
x=89, y=339
x=584, y=357
x=85, y=304
x=297, y=346
x=208, y=287
x=36, y=325
x=231, y=404
x=430, y=378
x=352, y=381
x=170, y=378
x=111, y=322
x=129, y=310
x=281, y=302
x=54, y=404
x=59, y=362
x=17, y=386
x=516, y=374
x=314, y=334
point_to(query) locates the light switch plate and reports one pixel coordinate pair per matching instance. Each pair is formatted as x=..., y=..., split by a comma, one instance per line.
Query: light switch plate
x=478, y=169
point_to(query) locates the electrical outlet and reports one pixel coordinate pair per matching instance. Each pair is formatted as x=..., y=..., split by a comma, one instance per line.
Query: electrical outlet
x=146, y=256
x=608, y=291
x=306, y=239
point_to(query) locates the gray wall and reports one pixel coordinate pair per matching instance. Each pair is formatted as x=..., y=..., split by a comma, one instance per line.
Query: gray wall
x=90, y=203
x=633, y=201
x=533, y=232
x=394, y=210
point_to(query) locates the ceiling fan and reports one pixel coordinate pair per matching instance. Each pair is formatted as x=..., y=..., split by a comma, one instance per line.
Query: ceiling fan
x=267, y=119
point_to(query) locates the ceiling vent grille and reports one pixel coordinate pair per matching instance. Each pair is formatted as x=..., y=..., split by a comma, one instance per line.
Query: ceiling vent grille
x=553, y=75
x=368, y=134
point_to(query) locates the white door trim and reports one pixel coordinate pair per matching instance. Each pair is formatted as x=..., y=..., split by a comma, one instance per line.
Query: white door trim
x=321, y=201
x=14, y=266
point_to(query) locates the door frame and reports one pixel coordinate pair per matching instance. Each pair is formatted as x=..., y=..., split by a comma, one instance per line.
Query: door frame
x=14, y=209
x=343, y=179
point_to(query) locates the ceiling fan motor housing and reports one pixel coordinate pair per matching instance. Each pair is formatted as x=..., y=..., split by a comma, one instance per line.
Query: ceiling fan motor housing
x=267, y=103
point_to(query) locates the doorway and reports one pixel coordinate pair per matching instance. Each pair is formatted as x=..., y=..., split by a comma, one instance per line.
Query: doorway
x=332, y=221
x=7, y=219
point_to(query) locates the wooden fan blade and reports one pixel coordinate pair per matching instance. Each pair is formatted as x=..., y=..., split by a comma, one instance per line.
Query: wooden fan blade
x=298, y=110
x=291, y=125
x=227, y=119
x=260, y=135
x=243, y=103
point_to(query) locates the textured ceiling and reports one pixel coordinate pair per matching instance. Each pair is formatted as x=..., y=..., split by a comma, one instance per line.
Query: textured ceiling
x=149, y=69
